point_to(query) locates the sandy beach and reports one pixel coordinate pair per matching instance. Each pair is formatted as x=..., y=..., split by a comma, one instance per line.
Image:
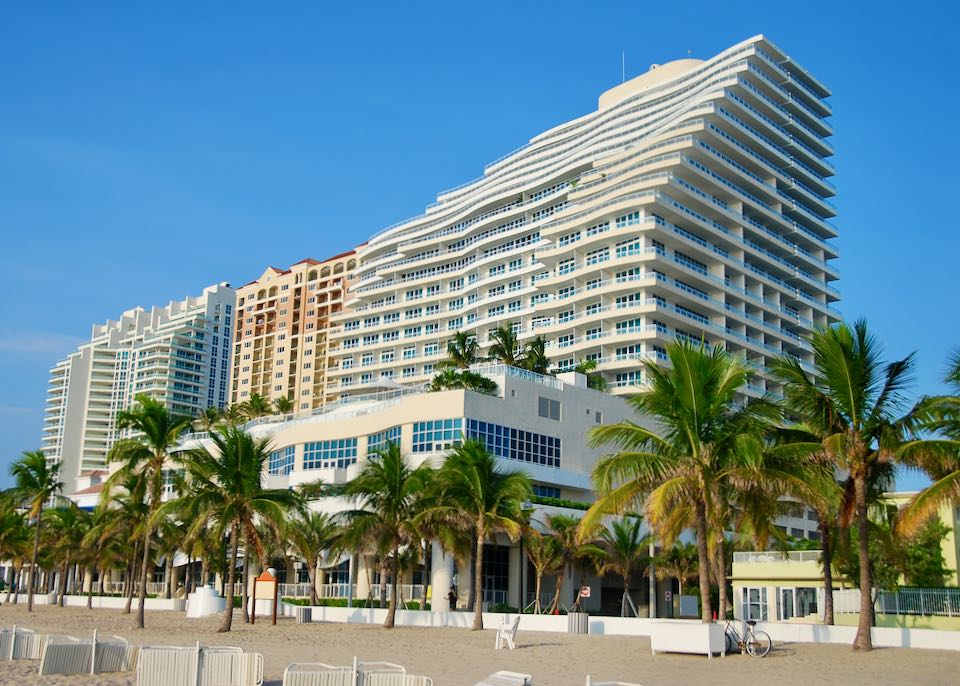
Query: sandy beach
x=457, y=657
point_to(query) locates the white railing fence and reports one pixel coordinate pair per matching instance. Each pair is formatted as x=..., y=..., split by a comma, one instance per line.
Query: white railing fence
x=407, y=592
x=777, y=556
x=944, y=602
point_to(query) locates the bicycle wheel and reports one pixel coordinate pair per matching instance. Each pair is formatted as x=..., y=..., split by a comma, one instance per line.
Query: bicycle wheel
x=759, y=643
x=728, y=642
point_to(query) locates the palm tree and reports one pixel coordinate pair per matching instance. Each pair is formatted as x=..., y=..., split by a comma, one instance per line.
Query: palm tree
x=504, y=347
x=235, y=414
x=535, y=356
x=207, y=419
x=544, y=554
x=624, y=553
x=673, y=473
x=68, y=525
x=450, y=379
x=854, y=400
x=462, y=352
x=124, y=518
x=595, y=380
x=226, y=486
x=14, y=541
x=572, y=552
x=475, y=494
x=257, y=406
x=35, y=482
x=386, y=490
x=155, y=432
x=938, y=456
x=283, y=405
x=679, y=562
x=311, y=533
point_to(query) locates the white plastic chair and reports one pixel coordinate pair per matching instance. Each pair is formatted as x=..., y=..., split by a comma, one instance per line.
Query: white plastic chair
x=506, y=634
x=507, y=679
x=317, y=674
x=591, y=682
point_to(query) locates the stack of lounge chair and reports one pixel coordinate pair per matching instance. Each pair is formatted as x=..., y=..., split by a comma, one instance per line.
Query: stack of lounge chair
x=358, y=674
x=198, y=666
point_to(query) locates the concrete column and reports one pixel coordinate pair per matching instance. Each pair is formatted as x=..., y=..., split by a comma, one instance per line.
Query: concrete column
x=352, y=593
x=513, y=578
x=363, y=585
x=652, y=580
x=463, y=571
x=441, y=578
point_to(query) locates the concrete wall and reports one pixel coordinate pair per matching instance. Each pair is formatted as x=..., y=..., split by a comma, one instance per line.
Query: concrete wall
x=626, y=626
x=105, y=602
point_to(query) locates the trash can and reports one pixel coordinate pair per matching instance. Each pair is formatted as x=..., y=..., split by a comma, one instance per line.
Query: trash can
x=304, y=615
x=578, y=623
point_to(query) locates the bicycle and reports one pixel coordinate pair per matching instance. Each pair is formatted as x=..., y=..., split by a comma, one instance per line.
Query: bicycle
x=755, y=643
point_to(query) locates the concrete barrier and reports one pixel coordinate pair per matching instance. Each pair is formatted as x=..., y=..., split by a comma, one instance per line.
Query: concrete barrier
x=630, y=626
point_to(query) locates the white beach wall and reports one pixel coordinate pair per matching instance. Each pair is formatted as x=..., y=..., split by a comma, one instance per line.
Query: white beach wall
x=627, y=626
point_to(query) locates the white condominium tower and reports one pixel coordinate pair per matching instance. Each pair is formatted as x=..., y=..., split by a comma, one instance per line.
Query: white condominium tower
x=179, y=354
x=691, y=203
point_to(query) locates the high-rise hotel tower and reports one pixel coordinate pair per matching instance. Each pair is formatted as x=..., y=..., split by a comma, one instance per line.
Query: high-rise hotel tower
x=178, y=354
x=691, y=203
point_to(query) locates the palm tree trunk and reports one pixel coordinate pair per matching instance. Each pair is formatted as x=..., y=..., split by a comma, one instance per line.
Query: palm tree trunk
x=18, y=579
x=863, y=640
x=144, y=569
x=536, y=598
x=168, y=573
x=90, y=589
x=478, y=584
x=33, y=560
x=243, y=578
x=227, y=621
x=130, y=571
x=312, y=576
x=63, y=582
x=383, y=582
x=827, y=553
x=722, y=578
x=555, y=604
x=626, y=594
x=703, y=559
x=13, y=583
x=394, y=574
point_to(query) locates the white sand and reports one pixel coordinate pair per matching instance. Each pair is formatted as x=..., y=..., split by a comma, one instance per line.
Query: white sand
x=458, y=657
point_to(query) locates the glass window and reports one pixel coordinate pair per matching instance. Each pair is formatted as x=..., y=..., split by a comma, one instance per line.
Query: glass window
x=338, y=453
x=755, y=603
x=382, y=439
x=437, y=434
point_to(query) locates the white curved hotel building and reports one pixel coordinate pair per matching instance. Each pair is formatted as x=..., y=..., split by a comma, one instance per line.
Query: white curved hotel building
x=692, y=202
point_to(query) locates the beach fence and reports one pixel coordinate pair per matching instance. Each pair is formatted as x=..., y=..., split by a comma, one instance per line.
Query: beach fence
x=198, y=666
x=937, y=602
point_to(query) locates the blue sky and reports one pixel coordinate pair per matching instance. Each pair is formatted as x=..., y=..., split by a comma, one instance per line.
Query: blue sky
x=150, y=149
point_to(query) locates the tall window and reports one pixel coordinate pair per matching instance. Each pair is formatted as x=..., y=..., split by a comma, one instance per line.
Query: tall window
x=338, y=453
x=437, y=434
x=281, y=461
x=382, y=439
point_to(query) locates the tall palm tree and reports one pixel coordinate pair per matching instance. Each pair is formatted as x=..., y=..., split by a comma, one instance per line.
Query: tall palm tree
x=156, y=431
x=226, y=488
x=283, y=405
x=504, y=347
x=35, y=482
x=674, y=472
x=235, y=414
x=386, y=490
x=463, y=350
x=311, y=533
x=475, y=494
x=545, y=556
x=124, y=518
x=535, y=356
x=939, y=455
x=855, y=401
x=624, y=553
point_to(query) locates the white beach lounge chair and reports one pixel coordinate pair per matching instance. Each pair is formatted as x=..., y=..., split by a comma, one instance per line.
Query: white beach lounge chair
x=591, y=682
x=386, y=679
x=317, y=674
x=507, y=679
x=198, y=666
x=67, y=655
x=507, y=633
x=18, y=643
